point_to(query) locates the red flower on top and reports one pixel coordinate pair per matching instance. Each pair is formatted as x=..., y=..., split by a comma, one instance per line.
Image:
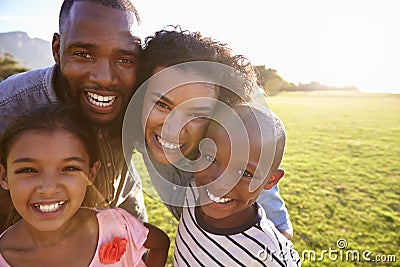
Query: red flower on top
x=112, y=251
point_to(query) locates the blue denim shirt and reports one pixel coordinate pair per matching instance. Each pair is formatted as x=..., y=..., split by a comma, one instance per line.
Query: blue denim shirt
x=22, y=92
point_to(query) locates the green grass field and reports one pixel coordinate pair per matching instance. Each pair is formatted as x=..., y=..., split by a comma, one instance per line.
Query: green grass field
x=342, y=181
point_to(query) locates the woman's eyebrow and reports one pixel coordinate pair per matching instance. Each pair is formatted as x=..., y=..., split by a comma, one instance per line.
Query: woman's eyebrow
x=163, y=97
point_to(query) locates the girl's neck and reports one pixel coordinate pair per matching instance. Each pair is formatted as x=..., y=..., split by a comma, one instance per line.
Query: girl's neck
x=35, y=237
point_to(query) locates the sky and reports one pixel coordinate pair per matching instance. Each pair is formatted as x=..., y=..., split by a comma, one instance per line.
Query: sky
x=335, y=42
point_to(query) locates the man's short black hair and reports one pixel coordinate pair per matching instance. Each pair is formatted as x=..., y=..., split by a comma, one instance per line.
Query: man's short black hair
x=125, y=5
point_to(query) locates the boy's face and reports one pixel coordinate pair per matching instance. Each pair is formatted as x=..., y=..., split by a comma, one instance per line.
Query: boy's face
x=226, y=201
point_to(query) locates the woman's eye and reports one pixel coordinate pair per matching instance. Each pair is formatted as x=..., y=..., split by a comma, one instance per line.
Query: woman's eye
x=162, y=104
x=245, y=173
x=25, y=170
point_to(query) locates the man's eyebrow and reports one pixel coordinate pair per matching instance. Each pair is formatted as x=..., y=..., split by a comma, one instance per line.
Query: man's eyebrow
x=133, y=52
x=81, y=45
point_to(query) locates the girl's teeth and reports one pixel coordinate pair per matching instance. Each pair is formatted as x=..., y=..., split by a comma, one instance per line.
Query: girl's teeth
x=168, y=144
x=218, y=199
x=49, y=208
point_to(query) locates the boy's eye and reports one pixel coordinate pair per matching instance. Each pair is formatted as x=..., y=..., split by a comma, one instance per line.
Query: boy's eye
x=209, y=158
x=245, y=173
x=25, y=170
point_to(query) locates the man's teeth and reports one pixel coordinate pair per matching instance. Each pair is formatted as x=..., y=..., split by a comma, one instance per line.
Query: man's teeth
x=99, y=100
x=168, y=145
x=49, y=208
x=218, y=199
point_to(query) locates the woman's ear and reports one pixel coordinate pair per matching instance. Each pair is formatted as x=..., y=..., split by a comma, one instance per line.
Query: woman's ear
x=3, y=177
x=274, y=179
x=94, y=170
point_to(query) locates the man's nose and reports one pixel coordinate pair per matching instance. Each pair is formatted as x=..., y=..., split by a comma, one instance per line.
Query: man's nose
x=104, y=74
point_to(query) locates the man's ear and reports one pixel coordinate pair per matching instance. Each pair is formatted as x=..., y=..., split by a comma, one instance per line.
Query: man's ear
x=274, y=179
x=3, y=177
x=55, y=48
x=94, y=170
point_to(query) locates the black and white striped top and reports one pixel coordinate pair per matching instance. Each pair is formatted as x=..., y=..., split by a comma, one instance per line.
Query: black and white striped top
x=258, y=243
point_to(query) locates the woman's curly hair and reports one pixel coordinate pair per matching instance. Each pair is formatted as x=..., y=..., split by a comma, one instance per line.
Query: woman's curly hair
x=169, y=47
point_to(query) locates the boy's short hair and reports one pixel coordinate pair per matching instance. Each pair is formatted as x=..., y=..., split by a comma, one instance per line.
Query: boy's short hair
x=269, y=124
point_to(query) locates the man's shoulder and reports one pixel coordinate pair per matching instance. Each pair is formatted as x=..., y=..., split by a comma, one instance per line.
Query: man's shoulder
x=22, y=92
x=26, y=82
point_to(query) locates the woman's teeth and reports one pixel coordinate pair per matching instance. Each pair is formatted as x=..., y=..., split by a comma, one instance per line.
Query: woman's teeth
x=168, y=145
x=49, y=208
x=99, y=100
x=218, y=199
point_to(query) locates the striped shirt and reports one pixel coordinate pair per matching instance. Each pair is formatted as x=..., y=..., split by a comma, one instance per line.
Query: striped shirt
x=257, y=243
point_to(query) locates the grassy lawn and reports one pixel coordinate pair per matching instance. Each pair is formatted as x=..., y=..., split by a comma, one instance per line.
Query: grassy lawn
x=342, y=181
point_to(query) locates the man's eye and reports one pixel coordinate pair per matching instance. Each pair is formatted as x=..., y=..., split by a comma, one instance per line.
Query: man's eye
x=245, y=173
x=84, y=55
x=25, y=170
x=125, y=61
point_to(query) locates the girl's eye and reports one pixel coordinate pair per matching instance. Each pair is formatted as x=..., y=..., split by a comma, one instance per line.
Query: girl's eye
x=245, y=173
x=72, y=169
x=25, y=170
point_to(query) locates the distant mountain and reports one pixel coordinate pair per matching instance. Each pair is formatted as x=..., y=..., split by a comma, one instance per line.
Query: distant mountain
x=29, y=52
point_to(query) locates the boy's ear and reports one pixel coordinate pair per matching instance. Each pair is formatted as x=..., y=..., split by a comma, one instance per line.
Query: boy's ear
x=3, y=177
x=94, y=170
x=274, y=179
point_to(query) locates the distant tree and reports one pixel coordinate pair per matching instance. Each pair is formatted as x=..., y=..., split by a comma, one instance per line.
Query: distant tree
x=9, y=66
x=270, y=80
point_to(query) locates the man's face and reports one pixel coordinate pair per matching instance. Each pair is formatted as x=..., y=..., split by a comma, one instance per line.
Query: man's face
x=98, y=57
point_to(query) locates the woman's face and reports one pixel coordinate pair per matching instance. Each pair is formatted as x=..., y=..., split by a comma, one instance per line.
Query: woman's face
x=176, y=120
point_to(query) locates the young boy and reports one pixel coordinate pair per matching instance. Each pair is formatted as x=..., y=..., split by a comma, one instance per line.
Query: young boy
x=230, y=228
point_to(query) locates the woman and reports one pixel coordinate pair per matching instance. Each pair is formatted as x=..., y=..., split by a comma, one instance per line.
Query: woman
x=190, y=74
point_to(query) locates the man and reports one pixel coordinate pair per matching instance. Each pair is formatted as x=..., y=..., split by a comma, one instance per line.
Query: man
x=96, y=61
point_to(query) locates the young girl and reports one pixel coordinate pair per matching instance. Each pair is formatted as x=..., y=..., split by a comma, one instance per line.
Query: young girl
x=48, y=159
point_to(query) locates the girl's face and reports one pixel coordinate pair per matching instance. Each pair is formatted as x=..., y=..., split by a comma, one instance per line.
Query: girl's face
x=47, y=175
x=175, y=121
